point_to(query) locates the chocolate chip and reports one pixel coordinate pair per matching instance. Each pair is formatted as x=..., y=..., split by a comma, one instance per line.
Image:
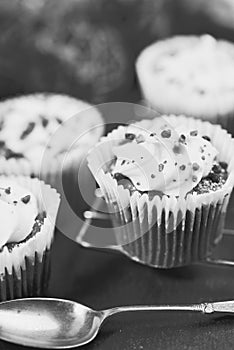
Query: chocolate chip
x=59, y=120
x=2, y=143
x=28, y=130
x=26, y=199
x=15, y=202
x=152, y=176
x=203, y=158
x=207, y=138
x=130, y=136
x=166, y=134
x=153, y=134
x=194, y=178
x=194, y=133
x=138, y=183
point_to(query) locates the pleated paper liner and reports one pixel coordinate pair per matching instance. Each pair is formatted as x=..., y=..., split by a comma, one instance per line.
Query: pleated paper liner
x=165, y=232
x=25, y=267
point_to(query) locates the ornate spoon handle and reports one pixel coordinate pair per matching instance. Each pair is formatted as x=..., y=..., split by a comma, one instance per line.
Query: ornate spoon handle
x=205, y=308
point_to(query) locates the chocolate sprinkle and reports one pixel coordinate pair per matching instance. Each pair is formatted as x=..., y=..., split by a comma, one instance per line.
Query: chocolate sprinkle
x=8, y=190
x=182, y=138
x=26, y=199
x=153, y=134
x=166, y=134
x=182, y=167
x=177, y=149
x=59, y=120
x=28, y=130
x=160, y=167
x=44, y=121
x=130, y=136
x=205, y=137
x=196, y=166
x=11, y=154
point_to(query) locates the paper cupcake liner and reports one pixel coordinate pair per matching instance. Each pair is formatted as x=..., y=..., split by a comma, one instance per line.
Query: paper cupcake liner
x=24, y=268
x=32, y=281
x=165, y=232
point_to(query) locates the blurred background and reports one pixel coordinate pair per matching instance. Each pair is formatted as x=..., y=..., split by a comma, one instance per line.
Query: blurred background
x=87, y=48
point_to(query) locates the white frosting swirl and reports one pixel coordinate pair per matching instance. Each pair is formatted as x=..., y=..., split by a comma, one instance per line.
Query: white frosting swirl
x=169, y=160
x=18, y=210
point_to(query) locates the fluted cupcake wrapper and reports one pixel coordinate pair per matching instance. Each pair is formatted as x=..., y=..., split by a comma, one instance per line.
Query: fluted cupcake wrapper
x=32, y=281
x=25, y=266
x=188, y=241
x=160, y=231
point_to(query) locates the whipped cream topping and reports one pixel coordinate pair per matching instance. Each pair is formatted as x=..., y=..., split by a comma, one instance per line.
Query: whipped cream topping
x=188, y=75
x=30, y=124
x=18, y=210
x=165, y=159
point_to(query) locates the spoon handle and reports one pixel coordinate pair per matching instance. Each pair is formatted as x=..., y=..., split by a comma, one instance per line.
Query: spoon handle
x=205, y=308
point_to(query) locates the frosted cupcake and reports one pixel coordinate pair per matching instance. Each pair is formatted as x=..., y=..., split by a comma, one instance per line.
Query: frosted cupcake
x=38, y=131
x=48, y=136
x=28, y=210
x=190, y=75
x=167, y=182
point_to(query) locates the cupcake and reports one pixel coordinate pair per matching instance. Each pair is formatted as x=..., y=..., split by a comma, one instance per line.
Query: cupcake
x=28, y=210
x=47, y=136
x=190, y=75
x=167, y=182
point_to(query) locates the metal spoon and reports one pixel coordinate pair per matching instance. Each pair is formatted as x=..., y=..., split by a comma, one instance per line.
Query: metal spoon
x=59, y=324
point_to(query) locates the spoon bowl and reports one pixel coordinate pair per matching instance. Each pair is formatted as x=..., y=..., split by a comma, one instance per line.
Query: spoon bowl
x=48, y=323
